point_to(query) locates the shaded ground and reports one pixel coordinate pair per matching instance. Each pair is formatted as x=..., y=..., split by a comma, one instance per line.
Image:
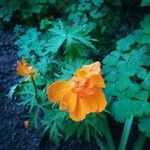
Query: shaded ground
x=13, y=135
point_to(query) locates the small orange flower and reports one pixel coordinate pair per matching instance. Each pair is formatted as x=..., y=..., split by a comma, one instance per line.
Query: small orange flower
x=82, y=94
x=24, y=69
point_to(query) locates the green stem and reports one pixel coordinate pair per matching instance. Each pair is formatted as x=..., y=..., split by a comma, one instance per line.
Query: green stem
x=99, y=143
x=108, y=136
x=125, y=134
x=35, y=89
x=140, y=142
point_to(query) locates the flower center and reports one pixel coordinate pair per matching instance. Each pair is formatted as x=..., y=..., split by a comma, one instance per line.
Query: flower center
x=82, y=87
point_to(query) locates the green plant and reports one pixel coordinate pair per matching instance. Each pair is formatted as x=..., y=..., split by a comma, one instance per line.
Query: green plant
x=87, y=11
x=58, y=48
x=145, y=3
x=127, y=75
x=26, y=9
x=57, y=123
x=75, y=40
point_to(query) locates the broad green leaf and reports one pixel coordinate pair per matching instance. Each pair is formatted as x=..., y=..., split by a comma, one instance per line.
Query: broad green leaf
x=144, y=125
x=122, y=84
x=145, y=23
x=124, y=108
x=145, y=3
x=146, y=82
x=133, y=90
x=97, y=2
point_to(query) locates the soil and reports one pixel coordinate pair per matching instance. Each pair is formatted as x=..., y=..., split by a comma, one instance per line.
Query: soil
x=13, y=134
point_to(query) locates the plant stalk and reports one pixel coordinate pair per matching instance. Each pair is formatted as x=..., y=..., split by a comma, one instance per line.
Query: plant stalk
x=125, y=134
x=35, y=90
x=99, y=143
x=140, y=142
x=108, y=136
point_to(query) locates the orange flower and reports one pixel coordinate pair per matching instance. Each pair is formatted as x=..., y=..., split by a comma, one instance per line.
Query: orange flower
x=82, y=94
x=25, y=69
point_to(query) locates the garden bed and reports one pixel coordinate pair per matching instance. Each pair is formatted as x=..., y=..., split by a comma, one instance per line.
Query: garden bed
x=74, y=75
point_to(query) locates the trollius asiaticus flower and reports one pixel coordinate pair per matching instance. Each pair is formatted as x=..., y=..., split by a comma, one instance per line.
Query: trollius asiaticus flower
x=24, y=69
x=82, y=94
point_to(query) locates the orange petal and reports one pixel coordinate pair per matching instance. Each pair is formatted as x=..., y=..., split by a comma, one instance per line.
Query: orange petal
x=57, y=90
x=81, y=73
x=20, y=70
x=89, y=105
x=97, y=80
x=70, y=100
x=78, y=114
x=93, y=68
x=100, y=99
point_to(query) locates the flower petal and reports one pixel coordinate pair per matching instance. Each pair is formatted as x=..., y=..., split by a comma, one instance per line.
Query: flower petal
x=81, y=73
x=57, y=90
x=70, y=100
x=100, y=99
x=89, y=104
x=97, y=80
x=93, y=68
x=78, y=114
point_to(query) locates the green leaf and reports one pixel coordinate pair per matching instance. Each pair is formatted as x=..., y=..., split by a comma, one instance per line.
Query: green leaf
x=145, y=23
x=76, y=36
x=145, y=3
x=44, y=23
x=125, y=108
x=125, y=43
x=53, y=122
x=133, y=90
x=122, y=84
x=145, y=39
x=79, y=33
x=73, y=48
x=97, y=2
x=7, y=8
x=69, y=67
x=90, y=127
x=112, y=59
x=54, y=43
x=144, y=125
x=95, y=14
x=146, y=82
x=142, y=73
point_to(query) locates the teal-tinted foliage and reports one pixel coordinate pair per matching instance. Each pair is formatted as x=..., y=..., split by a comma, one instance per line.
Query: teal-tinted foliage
x=127, y=73
x=26, y=9
x=57, y=37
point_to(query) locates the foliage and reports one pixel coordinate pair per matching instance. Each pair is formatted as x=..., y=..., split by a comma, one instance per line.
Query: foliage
x=88, y=28
x=145, y=3
x=56, y=122
x=75, y=38
x=68, y=68
x=26, y=9
x=87, y=10
x=127, y=74
x=89, y=128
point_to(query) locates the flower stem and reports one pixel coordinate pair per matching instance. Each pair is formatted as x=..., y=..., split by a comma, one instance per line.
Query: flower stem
x=140, y=142
x=99, y=143
x=125, y=134
x=35, y=89
x=108, y=136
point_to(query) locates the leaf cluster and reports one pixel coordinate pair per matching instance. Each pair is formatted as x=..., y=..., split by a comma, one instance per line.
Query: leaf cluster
x=27, y=9
x=127, y=73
